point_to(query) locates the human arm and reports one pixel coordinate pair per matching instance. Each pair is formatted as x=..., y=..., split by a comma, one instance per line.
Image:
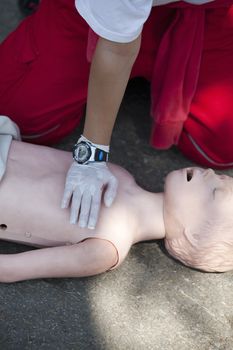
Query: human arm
x=110, y=70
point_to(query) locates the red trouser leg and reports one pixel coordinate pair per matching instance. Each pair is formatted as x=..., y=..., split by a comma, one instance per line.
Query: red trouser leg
x=207, y=136
x=44, y=72
x=208, y=132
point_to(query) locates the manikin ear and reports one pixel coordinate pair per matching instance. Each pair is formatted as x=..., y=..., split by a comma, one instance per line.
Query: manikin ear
x=191, y=237
x=183, y=247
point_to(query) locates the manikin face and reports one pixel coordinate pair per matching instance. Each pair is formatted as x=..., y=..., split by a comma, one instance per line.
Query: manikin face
x=193, y=196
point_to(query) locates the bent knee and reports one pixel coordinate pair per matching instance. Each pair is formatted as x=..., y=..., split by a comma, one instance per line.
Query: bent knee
x=207, y=152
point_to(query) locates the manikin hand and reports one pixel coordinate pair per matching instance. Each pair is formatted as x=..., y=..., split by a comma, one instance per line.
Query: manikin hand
x=85, y=183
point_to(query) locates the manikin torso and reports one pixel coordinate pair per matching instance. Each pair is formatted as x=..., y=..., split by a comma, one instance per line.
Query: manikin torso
x=30, y=198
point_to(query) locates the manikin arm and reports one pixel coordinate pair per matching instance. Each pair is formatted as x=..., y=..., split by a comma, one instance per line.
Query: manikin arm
x=90, y=257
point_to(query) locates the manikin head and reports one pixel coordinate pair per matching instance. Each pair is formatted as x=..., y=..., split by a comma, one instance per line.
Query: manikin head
x=198, y=216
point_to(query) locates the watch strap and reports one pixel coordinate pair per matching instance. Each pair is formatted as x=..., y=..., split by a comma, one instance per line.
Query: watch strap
x=99, y=153
x=105, y=148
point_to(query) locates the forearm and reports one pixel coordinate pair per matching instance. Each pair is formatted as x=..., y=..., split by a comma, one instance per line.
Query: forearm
x=110, y=70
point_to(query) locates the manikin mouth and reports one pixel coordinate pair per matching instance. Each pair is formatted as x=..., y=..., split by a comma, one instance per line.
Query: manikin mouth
x=189, y=174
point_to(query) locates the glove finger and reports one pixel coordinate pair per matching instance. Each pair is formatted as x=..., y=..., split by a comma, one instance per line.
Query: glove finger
x=95, y=208
x=66, y=196
x=111, y=191
x=85, y=209
x=75, y=206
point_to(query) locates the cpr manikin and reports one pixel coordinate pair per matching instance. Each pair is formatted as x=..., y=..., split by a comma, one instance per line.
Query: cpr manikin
x=194, y=217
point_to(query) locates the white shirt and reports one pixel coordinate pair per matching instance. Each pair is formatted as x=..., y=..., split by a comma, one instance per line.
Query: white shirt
x=120, y=20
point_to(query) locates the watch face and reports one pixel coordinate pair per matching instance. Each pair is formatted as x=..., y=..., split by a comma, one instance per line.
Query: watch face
x=82, y=152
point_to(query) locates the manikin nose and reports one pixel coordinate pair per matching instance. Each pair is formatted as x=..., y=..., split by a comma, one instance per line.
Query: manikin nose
x=208, y=172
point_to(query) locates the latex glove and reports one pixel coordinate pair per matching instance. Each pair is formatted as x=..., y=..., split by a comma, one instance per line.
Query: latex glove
x=85, y=183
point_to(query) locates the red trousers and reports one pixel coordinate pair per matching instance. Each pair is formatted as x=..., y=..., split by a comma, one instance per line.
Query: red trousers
x=44, y=75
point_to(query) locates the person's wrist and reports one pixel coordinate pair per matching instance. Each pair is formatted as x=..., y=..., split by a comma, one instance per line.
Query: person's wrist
x=105, y=148
x=86, y=152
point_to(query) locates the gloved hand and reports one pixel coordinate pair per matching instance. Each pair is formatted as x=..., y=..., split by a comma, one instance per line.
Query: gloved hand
x=85, y=183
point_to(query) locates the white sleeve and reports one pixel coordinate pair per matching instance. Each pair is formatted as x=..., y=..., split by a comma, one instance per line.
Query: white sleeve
x=194, y=2
x=116, y=20
x=8, y=131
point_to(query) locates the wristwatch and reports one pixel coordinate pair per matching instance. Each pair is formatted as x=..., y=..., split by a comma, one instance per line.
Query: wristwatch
x=85, y=152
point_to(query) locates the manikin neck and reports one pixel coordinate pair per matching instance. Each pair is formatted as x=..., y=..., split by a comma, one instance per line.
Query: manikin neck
x=150, y=216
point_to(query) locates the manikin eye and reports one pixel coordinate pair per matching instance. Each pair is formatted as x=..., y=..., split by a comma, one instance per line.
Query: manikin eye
x=189, y=174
